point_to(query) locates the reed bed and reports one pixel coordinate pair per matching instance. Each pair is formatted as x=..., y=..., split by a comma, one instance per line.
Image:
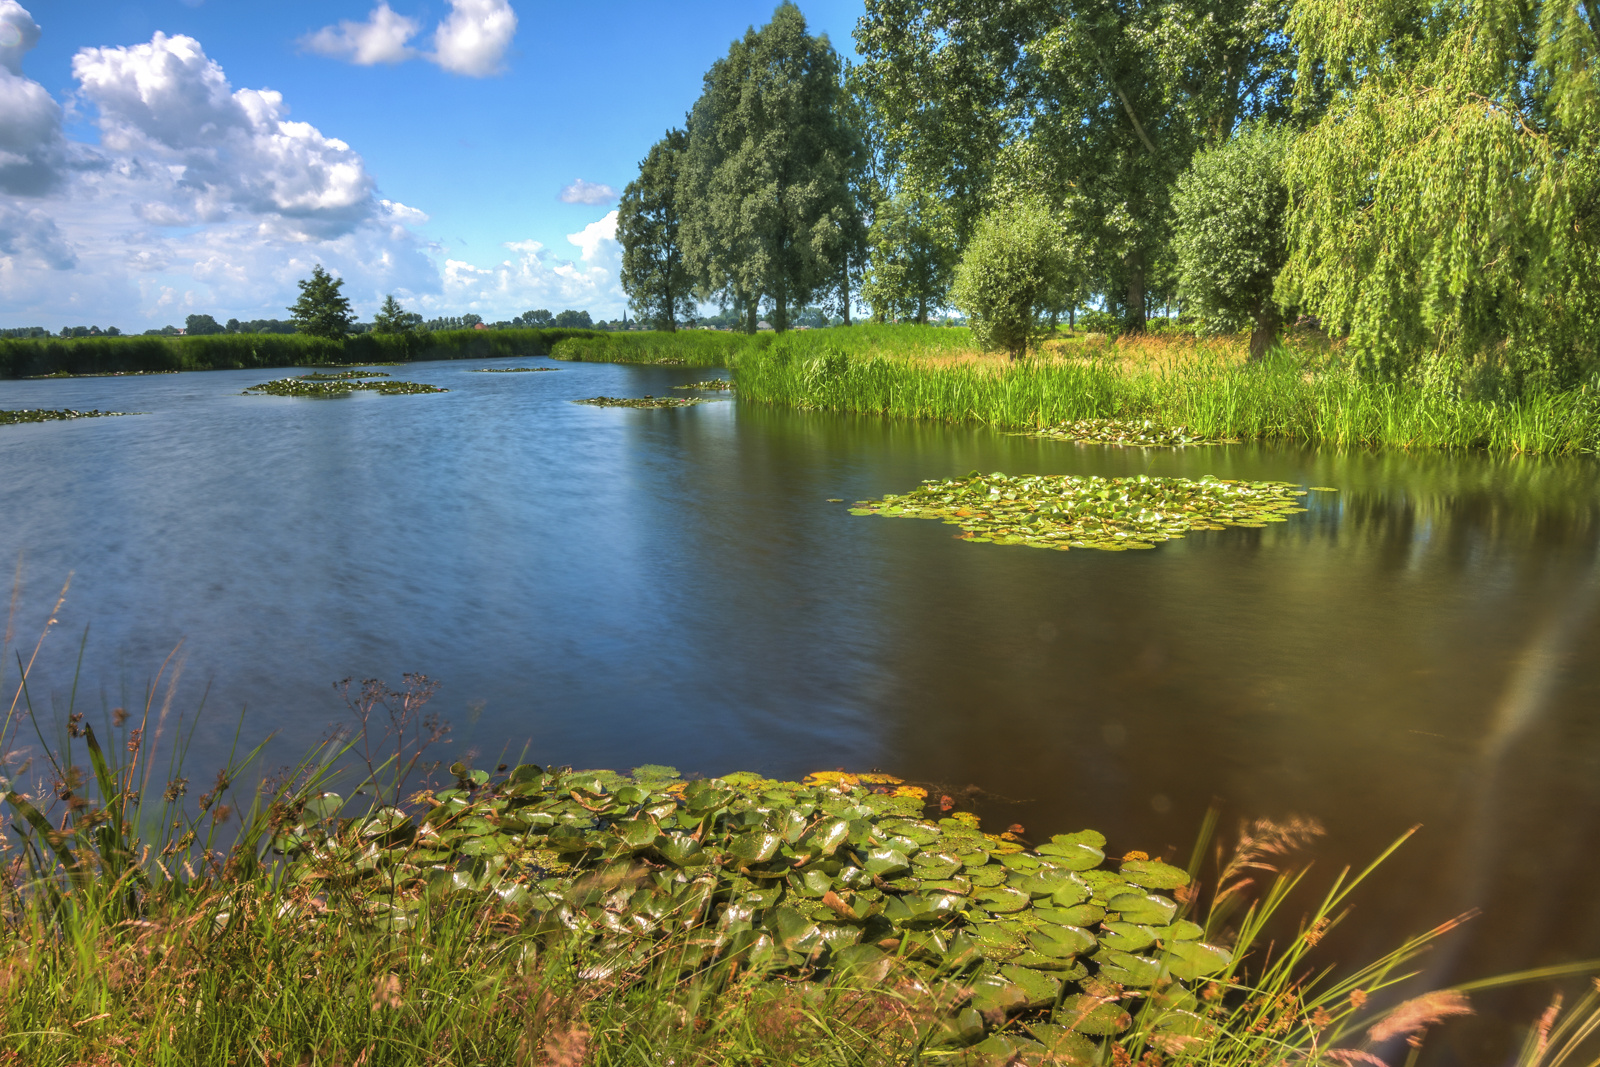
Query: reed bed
x=24, y=358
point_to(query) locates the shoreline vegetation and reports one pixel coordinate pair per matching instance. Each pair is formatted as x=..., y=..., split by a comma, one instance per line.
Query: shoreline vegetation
x=1301, y=391
x=370, y=906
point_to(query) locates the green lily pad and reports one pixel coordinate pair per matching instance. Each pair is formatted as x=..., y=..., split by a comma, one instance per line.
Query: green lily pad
x=1145, y=908
x=1128, y=937
x=1153, y=874
x=1127, y=969
x=1085, y=1014
x=1000, y=900
x=1191, y=960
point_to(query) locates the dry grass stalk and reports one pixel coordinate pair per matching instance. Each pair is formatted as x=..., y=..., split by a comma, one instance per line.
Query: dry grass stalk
x=1412, y=1018
x=1262, y=846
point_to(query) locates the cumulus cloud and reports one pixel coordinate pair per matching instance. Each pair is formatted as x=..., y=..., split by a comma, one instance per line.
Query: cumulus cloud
x=582, y=192
x=536, y=277
x=384, y=38
x=29, y=237
x=474, y=38
x=471, y=40
x=31, y=145
x=224, y=150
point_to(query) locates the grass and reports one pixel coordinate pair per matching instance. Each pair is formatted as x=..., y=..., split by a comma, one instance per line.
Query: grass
x=25, y=358
x=283, y=925
x=1300, y=393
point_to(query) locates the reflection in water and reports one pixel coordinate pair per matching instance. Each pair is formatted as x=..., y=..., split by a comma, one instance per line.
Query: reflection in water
x=615, y=587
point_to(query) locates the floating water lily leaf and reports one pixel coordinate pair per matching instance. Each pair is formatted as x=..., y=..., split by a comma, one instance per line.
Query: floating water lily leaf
x=1085, y=1014
x=1143, y=908
x=1153, y=874
x=1064, y=1046
x=1190, y=960
x=1128, y=937
x=1040, y=988
x=1067, y=511
x=1061, y=941
x=642, y=402
x=8, y=418
x=1126, y=969
x=510, y=370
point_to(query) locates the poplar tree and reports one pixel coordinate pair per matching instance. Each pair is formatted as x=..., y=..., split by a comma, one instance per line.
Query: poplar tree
x=655, y=272
x=770, y=162
x=1447, y=208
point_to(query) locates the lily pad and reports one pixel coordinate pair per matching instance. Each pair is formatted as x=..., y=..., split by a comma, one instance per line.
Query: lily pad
x=1139, y=432
x=9, y=418
x=642, y=402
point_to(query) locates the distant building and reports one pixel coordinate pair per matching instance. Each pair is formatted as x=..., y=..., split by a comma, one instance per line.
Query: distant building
x=479, y=326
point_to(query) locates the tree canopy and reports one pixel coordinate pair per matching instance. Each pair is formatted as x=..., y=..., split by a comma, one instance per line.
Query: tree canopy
x=655, y=273
x=322, y=310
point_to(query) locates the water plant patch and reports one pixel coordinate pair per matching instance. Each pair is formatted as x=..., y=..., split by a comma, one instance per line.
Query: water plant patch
x=510, y=370
x=342, y=376
x=642, y=402
x=839, y=878
x=1064, y=511
x=8, y=418
x=1137, y=432
x=320, y=385
x=714, y=385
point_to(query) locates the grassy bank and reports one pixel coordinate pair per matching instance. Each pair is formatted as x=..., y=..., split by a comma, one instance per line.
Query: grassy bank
x=129, y=355
x=1300, y=393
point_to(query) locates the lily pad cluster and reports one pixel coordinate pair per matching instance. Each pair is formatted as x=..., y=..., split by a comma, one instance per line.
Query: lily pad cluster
x=342, y=384
x=510, y=370
x=1069, y=511
x=1138, y=432
x=715, y=385
x=839, y=878
x=642, y=402
x=52, y=415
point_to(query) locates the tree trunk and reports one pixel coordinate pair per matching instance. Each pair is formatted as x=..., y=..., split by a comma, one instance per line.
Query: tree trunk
x=844, y=288
x=1265, y=331
x=780, y=311
x=1072, y=318
x=922, y=310
x=1134, y=312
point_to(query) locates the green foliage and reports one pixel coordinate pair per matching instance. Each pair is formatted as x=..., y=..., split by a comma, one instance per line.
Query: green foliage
x=201, y=326
x=573, y=320
x=392, y=318
x=12, y=418
x=322, y=311
x=1445, y=204
x=1230, y=241
x=654, y=273
x=1016, y=266
x=912, y=262
x=769, y=206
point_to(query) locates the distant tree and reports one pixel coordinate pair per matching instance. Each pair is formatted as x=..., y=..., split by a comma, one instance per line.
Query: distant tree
x=539, y=319
x=233, y=326
x=1230, y=236
x=201, y=326
x=574, y=320
x=322, y=311
x=1018, y=263
x=392, y=318
x=769, y=168
x=112, y=331
x=654, y=273
x=912, y=263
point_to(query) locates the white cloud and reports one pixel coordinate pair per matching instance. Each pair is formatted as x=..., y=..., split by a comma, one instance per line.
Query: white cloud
x=536, y=277
x=170, y=107
x=31, y=238
x=384, y=38
x=31, y=145
x=582, y=192
x=474, y=38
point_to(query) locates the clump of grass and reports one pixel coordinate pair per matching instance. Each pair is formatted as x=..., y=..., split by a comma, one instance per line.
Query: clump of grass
x=11, y=418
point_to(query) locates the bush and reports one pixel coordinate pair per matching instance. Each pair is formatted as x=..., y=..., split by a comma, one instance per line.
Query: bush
x=1016, y=267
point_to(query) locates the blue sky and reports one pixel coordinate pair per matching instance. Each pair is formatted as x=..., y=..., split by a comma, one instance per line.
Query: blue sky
x=169, y=157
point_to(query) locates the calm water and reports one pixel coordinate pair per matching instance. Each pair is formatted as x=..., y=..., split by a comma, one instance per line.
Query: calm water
x=614, y=587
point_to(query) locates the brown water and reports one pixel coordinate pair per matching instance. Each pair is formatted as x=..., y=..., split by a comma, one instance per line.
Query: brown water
x=614, y=587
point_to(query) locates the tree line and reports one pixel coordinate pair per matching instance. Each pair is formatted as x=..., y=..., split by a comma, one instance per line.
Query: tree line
x=1419, y=179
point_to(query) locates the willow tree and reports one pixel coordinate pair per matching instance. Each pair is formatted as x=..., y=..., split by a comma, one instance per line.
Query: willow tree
x=655, y=272
x=1447, y=206
x=1112, y=97
x=769, y=164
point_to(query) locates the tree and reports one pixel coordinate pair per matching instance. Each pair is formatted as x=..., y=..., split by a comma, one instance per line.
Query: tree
x=1448, y=205
x=540, y=319
x=769, y=172
x=1230, y=238
x=201, y=325
x=574, y=320
x=1112, y=97
x=912, y=261
x=392, y=318
x=322, y=311
x=1016, y=267
x=654, y=272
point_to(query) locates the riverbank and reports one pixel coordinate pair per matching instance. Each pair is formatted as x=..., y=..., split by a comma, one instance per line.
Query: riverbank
x=26, y=358
x=1300, y=393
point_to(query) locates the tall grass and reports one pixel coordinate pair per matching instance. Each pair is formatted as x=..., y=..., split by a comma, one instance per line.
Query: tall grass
x=21, y=358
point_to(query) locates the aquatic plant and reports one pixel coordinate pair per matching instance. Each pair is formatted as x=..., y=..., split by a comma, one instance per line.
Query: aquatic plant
x=722, y=385
x=337, y=385
x=510, y=370
x=8, y=418
x=1068, y=511
x=642, y=402
x=1140, y=432
x=347, y=375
